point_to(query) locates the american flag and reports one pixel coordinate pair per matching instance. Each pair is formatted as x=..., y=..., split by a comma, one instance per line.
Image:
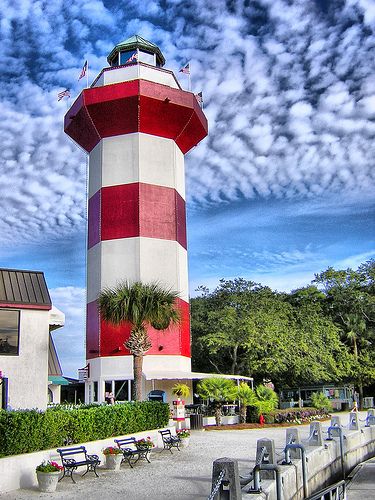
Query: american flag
x=83, y=71
x=185, y=69
x=199, y=97
x=64, y=93
x=133, y=57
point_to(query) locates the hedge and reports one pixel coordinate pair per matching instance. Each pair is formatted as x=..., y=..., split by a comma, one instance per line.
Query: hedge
x=25, y=431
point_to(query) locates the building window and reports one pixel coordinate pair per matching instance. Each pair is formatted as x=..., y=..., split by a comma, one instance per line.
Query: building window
x=95, y=392
x=9, y=332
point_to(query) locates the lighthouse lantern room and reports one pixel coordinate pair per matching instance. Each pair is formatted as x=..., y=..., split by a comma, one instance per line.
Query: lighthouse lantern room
x=136, y=124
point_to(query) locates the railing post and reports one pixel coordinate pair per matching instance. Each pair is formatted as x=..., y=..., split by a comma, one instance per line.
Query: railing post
x=316, y=434
x=292, y=436
x=353, y=421
x=269, y=457
x=229, y=487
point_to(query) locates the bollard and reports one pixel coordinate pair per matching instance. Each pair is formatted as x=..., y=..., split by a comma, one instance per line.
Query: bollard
x=269, y=457
x=353, y=424
x=225, y=480
x=292, y=437
x=371, y=412
x=335, y=420
x=316, y=434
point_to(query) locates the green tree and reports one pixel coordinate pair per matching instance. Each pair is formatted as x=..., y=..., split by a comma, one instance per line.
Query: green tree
x=246, y=397
x=140, y=305
x=350, y=301
x=219, y=390
x=321, y=402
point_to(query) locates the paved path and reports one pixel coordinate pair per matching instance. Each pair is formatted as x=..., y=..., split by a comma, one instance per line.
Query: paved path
x=185, y=475
x=362, y=486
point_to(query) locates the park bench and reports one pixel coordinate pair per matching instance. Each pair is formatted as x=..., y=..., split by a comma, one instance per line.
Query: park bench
x=72, y=458
x=170, y=441
x=130, y=450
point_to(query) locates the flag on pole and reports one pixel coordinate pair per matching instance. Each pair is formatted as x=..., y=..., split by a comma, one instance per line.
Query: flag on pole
x=64, y=93
x=185, y=69
x=199, y=97
x=133, y=57
x=83, y=71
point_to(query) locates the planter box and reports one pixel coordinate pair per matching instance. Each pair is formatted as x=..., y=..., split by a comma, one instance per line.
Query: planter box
x=226, y=420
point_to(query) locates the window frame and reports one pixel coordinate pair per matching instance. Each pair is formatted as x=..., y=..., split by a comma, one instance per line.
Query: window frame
x=18, y=331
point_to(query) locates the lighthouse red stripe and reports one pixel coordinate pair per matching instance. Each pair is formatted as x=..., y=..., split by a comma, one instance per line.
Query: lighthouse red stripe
x=136, y=106
x=105, y=339
x=138, y=209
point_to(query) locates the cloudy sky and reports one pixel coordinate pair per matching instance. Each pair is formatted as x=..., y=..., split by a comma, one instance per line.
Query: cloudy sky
x=281, y=189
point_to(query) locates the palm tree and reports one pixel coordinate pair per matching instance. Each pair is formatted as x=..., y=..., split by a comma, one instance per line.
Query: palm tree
x=246, y=397
x=141, y=305
x=267, y=399
x=219, y=390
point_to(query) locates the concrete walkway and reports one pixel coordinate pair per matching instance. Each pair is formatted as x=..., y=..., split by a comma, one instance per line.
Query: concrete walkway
x=184, y=475
x=362, y=484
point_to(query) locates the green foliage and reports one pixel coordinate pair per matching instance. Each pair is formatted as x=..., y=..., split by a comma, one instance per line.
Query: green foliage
x=181, y=390
x=320, y=401
x=246, y=397
x=141, y=305
x=25, y=431
x=217, y=389
x=267, y=399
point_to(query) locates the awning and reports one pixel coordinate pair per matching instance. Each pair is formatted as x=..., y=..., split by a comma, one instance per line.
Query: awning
x=177, y=375
x=57, y=380
x=56, y=318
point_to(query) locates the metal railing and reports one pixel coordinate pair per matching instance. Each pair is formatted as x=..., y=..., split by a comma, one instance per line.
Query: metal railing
x=336, y=491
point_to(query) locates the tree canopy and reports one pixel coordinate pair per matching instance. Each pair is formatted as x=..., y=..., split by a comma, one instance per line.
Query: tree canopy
x=323, y=332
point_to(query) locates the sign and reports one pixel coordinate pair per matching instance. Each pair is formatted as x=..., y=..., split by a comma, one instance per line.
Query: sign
x=83, y=373
x=178, y=410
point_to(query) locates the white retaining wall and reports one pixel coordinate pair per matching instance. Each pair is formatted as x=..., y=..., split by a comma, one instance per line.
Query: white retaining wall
x=323, y=466
x=18, y=471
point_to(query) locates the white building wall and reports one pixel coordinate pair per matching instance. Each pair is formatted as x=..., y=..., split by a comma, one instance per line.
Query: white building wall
x=27, y=373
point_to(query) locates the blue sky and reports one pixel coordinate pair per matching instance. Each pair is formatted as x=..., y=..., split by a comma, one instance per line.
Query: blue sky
x=281, y=189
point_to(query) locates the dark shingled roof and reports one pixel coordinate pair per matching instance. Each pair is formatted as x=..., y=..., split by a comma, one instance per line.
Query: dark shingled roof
x=26, y=288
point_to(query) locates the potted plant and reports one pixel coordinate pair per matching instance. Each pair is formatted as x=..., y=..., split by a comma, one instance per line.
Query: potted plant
x=144, y=444
x=47, y=474
x=181, y=390
x=184, y=436
x=113, y=458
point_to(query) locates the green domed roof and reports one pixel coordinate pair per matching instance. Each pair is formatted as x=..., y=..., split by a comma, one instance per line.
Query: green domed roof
x=137, y=42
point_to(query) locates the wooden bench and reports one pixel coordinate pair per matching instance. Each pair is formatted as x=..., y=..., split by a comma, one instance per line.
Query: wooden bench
x=170, y=441
x=71, y=464
x=131, y=451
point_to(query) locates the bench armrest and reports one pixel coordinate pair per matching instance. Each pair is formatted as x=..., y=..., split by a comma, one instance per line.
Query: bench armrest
x=93, y=458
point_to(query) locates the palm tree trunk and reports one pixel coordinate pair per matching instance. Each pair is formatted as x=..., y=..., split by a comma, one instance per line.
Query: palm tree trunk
x=137, y=384
x=243, y=412
x=218, y=414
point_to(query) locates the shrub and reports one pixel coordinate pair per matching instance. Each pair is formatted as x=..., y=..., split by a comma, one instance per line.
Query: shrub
x=295, y=415
x=25, y=431
x=320, y=401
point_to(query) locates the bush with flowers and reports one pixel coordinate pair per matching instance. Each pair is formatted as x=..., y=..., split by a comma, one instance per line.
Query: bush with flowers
x=183, y=433
x=111, y=450
x=49, y=467
x=144, y=443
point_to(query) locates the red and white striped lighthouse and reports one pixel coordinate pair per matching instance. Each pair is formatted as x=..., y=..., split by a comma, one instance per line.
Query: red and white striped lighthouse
x=136, y=123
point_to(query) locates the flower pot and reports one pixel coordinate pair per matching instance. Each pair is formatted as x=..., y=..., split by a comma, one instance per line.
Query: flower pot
x=184, y=442
x=113, y=462
x=47, y=481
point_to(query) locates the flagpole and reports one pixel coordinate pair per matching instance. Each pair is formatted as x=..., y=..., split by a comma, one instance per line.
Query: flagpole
x=87, y=74
x=189, y=82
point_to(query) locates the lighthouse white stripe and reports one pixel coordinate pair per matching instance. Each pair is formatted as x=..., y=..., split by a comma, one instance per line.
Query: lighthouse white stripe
x=137, y=157
x=144, y=259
